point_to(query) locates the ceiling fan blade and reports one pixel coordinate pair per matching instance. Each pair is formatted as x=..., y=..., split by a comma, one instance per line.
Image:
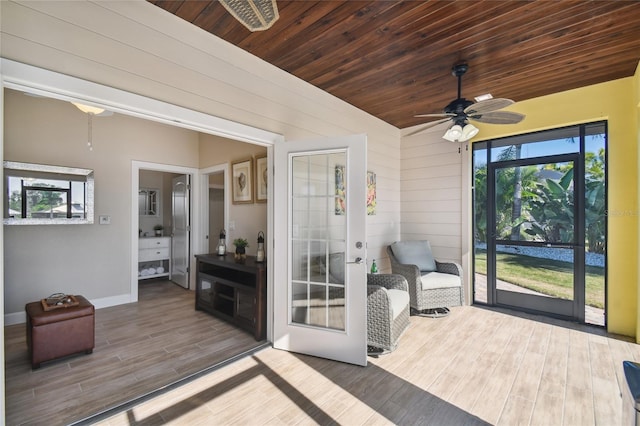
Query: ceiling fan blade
x=427, y=126
x=444, y=114
x=498, y=117
x=489, y=105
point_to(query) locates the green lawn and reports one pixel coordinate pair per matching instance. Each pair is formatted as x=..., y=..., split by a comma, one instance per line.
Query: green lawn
x=546, y=276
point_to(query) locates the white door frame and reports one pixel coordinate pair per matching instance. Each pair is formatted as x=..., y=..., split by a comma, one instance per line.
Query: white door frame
x=136, y=166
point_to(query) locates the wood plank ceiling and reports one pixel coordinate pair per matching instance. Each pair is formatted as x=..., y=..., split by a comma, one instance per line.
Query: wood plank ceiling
x=393, y=59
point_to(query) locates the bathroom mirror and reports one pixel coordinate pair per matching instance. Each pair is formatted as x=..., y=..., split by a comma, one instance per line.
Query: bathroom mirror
x=148, y=201
x=39, y=194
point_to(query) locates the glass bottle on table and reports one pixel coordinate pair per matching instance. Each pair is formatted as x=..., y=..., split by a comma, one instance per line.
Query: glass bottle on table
x=374, y=267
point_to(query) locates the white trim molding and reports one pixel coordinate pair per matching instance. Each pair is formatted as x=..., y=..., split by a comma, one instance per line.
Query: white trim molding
x=30, y=79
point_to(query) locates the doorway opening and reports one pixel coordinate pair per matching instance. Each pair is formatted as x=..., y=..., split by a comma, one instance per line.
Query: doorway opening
x=216, y=205
x=164, y=206
x=540, y=222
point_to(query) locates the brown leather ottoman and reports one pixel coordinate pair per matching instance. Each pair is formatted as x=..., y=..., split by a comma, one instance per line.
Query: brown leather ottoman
x=59, y=332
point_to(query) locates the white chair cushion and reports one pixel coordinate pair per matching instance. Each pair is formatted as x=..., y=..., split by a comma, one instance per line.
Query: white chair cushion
x=399, y=300
x=434, y=280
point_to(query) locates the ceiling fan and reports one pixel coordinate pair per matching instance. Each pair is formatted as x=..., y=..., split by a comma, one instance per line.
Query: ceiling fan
x=461, y=110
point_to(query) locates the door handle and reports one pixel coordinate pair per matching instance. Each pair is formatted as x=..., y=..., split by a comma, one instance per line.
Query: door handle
x=358, y=261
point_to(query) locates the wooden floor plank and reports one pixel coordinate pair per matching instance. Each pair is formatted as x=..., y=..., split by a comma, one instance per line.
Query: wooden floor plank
x=524, y=357
x=140, y=347
x=476, y=366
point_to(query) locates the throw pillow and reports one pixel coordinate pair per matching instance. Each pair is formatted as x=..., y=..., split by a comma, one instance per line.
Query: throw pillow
x=415, y=253
x=336, y=267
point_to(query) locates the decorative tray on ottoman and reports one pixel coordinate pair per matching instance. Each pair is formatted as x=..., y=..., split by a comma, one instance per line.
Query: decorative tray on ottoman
x=59, y=300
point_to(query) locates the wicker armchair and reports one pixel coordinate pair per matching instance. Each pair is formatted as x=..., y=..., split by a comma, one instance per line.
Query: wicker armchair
x=387, y=311
x=433, y=292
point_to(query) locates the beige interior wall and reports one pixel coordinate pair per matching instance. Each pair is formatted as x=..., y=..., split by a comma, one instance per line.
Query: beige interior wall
x=245, y=220
x=93, y=260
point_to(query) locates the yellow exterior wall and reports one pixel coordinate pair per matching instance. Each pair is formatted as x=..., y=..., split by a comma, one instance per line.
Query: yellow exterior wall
x=614, y=101
x=636, y=92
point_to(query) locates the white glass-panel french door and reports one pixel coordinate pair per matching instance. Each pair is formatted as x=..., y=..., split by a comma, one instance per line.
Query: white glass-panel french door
x=320, y=248
x=180, y=230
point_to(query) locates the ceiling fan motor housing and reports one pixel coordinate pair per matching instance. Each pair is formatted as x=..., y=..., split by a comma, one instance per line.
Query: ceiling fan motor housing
x=457, y=108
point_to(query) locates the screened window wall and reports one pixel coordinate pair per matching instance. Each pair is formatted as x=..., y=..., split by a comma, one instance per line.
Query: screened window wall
x=540, y=234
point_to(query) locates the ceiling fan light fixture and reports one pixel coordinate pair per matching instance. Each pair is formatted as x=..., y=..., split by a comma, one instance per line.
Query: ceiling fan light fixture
x=88, y=109
x=256, y=15
x=468, y=132
x=454, y=133
x=457, y=133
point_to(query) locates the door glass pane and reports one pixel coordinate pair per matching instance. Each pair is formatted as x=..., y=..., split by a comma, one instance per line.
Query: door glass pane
x=535, y=203
x=318, y=230
x=541, y=271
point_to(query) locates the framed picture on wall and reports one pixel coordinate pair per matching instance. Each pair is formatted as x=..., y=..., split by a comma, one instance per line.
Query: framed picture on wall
x=340, y=192
x=371, y=193
x=261, y=179
x=242, y=181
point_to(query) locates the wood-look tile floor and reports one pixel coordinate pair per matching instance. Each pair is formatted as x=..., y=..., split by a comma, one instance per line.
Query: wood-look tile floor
x=476, y=366
x=140, y=347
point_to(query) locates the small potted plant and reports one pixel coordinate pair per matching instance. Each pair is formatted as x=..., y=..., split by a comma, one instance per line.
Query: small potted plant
x=241, y=245
x=158, y=229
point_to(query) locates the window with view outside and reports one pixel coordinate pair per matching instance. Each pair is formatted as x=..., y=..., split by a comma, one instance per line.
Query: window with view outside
x=45, y=198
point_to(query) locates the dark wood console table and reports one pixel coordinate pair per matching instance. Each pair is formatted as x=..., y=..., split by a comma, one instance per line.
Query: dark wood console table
x=236, y=292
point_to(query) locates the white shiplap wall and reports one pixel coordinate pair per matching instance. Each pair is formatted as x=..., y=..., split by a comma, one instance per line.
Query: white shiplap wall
x=431, y=193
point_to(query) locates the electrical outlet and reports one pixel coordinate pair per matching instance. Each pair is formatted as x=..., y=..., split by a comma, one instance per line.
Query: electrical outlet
x=232, y=225
x=105, y=220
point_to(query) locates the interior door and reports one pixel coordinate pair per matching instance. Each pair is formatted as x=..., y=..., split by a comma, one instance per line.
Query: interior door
x=320, y=246
x=180, y=198
x=535, y=238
